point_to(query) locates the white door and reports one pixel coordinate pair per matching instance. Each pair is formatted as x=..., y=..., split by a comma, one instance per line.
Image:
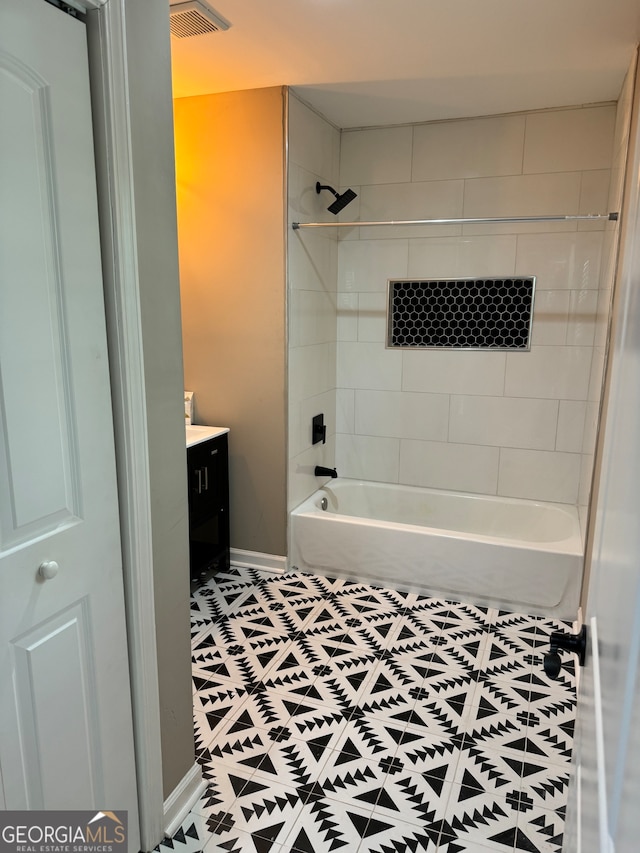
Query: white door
x=607, y=752
x=65, y=716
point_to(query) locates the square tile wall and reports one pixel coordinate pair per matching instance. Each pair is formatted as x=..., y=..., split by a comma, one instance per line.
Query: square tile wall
x=336, y=335
x=477, y=421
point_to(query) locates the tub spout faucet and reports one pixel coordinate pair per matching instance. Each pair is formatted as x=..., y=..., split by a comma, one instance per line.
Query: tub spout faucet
x=325, y=472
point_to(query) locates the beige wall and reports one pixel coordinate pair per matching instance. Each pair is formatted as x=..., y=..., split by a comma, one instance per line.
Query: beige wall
x=230, y=178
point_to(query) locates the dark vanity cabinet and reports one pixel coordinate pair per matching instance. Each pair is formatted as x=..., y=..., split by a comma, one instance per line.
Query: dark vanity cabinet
x=208, y=468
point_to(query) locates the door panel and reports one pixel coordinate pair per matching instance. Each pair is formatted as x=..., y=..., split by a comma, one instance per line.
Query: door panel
x=65, y=717
x=32, y=333
x=54, y=707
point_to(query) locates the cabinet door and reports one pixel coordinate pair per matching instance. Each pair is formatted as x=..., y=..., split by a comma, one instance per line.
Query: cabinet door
x=201, y=478
x=208, y=505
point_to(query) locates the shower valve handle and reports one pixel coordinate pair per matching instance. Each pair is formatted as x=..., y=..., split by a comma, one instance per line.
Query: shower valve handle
x=318, y=430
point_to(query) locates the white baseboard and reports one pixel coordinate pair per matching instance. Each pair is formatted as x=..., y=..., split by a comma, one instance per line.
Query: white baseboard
x=182, y=799
x=257, y=560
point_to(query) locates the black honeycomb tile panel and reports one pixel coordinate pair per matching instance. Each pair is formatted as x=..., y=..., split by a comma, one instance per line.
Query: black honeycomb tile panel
x=488, y=313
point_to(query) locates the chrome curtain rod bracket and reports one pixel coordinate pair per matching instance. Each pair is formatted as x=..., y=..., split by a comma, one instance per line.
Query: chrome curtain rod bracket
x=587, y=217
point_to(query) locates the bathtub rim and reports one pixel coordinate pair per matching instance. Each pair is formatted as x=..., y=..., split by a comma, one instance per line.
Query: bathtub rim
x=573, y=545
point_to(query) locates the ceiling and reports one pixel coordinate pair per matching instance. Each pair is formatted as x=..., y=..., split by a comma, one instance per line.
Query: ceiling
x=375, y=62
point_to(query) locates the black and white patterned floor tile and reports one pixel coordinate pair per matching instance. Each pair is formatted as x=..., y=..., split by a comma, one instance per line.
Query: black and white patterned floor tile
x=336, y=715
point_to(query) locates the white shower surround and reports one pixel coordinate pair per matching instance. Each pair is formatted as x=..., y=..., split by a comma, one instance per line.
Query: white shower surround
x=500, y=552
x=523, y=426
x=510, y=423
x=485, y=425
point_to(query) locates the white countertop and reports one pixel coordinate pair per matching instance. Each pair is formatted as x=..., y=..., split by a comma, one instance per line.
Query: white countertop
x=197, y=434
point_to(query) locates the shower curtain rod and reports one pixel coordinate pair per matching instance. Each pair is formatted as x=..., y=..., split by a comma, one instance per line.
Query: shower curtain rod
x=587, y=217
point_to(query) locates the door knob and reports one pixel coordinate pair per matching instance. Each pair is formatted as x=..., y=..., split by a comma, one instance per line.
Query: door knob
x=49, y=569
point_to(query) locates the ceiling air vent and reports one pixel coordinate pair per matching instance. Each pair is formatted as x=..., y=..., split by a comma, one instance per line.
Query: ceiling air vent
x=194, y=18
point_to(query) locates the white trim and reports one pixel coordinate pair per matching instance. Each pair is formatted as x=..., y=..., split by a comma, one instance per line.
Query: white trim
x=109, y=89
x=182, y=799
x=606, y=843
x=87, y=5
x=577, y=627
x=578, y=807
x=257, y=560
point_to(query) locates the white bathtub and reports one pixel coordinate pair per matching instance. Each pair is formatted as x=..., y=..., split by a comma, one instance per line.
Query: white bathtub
x=502, y=552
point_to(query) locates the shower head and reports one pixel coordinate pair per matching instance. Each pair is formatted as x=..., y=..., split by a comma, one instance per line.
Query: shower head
x=342, y=200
